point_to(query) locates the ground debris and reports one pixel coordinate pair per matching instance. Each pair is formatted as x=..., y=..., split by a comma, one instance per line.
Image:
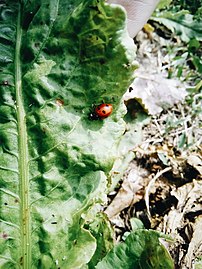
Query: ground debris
x=163, y=185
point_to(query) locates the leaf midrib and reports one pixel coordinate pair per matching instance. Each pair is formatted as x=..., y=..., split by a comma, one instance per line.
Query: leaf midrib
x=25, y=256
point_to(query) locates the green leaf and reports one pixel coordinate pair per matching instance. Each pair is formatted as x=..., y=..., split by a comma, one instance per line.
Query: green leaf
x=198, y=263
x=197, y=63
x=131, y=137
x=163, y=4
x=181, y=23
x=136, y=224
x=78, y=255
x=182, y=140
x=101, y=229
x=141, y=250
x=57, y=59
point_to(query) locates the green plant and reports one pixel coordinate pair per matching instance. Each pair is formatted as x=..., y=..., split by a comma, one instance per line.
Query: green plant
x=186, y=26
x=193, y=6
x=57, y=59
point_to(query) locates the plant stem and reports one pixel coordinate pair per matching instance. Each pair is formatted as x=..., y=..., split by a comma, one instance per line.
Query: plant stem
x=25, y=259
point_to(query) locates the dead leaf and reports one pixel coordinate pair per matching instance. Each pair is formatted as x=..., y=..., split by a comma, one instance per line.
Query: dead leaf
x=195, y=245
x=196, y=162
x=151, y=87
x=155, y=92
x=126, y=195
x=188, y=195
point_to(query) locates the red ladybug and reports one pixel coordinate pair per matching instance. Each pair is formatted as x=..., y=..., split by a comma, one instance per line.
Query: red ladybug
x=101, y=112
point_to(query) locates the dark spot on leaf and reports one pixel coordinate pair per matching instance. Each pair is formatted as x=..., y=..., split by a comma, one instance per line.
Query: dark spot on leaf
x=59, y=102
x=5, y=83
x=21, y=260
x=94, y=8
x=102, y=61
x=4, y=235
x=37, y=44
x=130, y=89
x=28, y=54
x=5, y=203
x=54, y=222
x=28, y=17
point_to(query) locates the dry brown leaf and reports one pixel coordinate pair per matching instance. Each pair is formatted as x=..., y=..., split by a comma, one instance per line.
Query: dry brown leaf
x=152, y=182
x=184, y=231
x=152, y=88
x=195, y=245
x=155, y=92
x=125, y=196
x=172, y=221
x=188, y=195
x=196, y=162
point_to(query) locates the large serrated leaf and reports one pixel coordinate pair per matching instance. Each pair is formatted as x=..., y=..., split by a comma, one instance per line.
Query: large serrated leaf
x=57, y=58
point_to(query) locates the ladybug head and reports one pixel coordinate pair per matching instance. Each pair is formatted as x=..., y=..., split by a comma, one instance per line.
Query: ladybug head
x=93, y=116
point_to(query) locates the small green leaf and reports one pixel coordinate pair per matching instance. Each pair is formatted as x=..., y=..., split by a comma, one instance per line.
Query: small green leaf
x=136, y=224
x=141, y=250
x=194, y=43
x=198, y=263
x=182, y=140
x=162, y=156
x=102, y=230
x=163, y=4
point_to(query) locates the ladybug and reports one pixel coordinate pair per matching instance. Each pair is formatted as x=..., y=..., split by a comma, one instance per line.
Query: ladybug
x=101, y=112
